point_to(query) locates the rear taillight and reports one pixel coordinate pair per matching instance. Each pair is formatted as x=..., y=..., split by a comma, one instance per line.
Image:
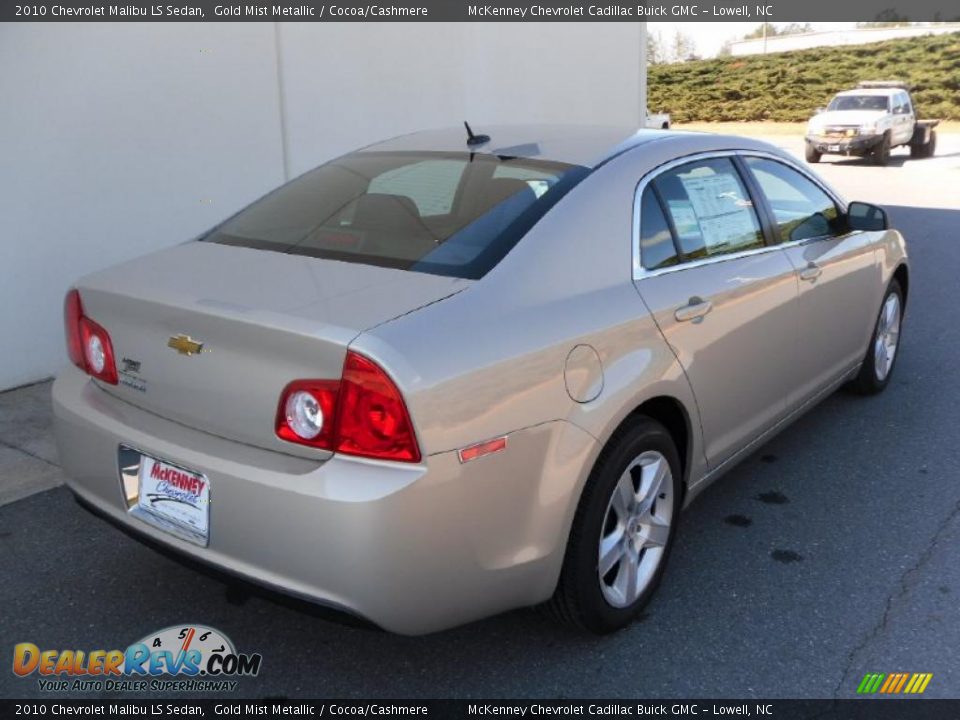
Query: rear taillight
x=308, y=413
x=88, y=344
x=72, y=313
x=362, y=414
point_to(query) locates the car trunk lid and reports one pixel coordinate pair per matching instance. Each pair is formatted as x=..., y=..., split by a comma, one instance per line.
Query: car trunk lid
x=208, y=335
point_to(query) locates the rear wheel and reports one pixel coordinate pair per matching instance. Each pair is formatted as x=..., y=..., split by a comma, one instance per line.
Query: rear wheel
x=811, y=154
x=881, y=354
x=623, y=530
x=924, y=150
x=881, y=151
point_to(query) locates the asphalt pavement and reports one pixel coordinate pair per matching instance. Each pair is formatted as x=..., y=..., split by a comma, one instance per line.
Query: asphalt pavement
x=832, y=552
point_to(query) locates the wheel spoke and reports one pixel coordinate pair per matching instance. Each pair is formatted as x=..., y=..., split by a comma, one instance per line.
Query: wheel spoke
x=890, y=312
x=655, y=533
x=651, y=484
x=611, y=551
x=880, y=356
x=624, y=497
x=626, y=582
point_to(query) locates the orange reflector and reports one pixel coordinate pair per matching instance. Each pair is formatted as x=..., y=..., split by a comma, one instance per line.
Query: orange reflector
x=485, y=448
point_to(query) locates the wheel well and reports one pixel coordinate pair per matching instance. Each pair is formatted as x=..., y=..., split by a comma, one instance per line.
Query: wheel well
x=901, y=275
x=670, y=413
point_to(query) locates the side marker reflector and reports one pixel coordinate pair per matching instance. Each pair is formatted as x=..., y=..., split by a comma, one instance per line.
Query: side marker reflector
x=485, y=448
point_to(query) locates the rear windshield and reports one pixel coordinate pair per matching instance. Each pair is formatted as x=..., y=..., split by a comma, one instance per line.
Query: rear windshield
x=859, y=102
x=444, y=213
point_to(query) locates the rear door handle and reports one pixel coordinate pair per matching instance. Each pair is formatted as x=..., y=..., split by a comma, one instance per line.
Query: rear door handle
x=694, y=310
x=811, y=272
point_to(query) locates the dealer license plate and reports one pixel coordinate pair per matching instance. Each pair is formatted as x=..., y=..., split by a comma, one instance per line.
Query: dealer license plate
x=177, y=498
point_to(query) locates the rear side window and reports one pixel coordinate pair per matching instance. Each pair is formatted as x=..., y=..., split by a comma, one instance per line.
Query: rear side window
x=656, y=241
x=446, y=213
x=801, y=209
x=709, y=208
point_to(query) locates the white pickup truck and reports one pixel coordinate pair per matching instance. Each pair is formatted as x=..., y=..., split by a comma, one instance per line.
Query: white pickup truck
x=660, y=121
x=870, y=121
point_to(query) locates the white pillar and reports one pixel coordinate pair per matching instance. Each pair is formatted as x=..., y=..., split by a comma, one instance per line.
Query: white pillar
x=642, y=89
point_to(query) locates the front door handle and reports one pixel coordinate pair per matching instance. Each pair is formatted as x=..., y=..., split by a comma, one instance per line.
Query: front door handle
x=811, y=272
x=694, y=310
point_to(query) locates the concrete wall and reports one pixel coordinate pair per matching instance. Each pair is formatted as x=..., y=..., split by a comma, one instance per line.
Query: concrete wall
x=119, y=140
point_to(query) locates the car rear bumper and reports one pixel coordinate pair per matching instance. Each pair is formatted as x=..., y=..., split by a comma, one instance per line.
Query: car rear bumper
x=857, y=145
x=411, y=548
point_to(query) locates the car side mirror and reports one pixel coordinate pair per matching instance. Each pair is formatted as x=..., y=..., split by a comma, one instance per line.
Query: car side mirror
x=817, y=111
x=864, y=216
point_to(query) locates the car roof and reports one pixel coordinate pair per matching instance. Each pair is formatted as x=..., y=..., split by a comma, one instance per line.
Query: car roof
x=586, y=145
x=872, y=91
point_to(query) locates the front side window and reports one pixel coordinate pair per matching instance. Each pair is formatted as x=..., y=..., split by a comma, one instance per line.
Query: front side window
x=446, y=213
x=801, y=209
x=709, y=209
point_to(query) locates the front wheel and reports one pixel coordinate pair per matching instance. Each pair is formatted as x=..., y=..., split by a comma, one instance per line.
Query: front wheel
x=881, y=355
x=622, y=531
x=881, y=151
x=811, y=154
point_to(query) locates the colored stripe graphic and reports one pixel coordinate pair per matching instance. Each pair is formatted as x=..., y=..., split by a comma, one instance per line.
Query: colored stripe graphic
x=894, y=683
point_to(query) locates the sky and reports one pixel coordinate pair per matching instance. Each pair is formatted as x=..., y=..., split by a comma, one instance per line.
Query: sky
x=710, y=36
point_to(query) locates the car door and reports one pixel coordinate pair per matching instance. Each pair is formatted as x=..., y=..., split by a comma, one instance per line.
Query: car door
x=724, y=300
x=902, y=129
x=836, y=271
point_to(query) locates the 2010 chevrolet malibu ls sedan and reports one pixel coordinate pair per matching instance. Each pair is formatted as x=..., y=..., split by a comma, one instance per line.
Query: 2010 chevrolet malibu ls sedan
x=453, y=374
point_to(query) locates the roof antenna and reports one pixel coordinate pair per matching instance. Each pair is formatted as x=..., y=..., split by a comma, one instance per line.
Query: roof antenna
x=474, y=140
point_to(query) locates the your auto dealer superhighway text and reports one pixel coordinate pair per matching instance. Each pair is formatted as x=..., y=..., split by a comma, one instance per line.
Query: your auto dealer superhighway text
x=621, y=11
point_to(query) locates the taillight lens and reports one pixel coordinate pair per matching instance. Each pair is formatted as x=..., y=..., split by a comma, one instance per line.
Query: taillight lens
x=373, y=420
x=308, y=413
x=88, y=344
x=72, y=313
x=362, y=414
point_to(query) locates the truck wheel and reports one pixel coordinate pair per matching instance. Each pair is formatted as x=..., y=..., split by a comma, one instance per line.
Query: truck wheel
x=924, y=150
x=811, y=154
x=881, y=151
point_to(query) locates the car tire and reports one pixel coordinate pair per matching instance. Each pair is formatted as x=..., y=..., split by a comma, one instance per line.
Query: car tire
x=639, y=453
x=881, y=151
x=811, y=154
x=879, y=363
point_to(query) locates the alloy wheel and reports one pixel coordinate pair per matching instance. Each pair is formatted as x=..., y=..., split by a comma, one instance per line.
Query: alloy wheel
x=636, y=529
x=888, y=336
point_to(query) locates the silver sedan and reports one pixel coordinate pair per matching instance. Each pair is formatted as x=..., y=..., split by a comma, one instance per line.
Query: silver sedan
x=453, y=374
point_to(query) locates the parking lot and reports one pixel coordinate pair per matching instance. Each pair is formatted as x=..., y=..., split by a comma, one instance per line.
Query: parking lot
x=831, y=552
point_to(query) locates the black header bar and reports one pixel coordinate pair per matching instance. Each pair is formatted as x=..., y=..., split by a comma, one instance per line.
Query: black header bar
x=471, y=11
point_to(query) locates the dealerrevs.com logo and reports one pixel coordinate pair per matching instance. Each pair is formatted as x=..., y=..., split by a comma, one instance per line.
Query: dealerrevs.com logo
x=189, y=658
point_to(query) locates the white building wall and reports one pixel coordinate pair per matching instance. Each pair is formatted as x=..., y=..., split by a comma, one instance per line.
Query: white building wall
x=119, y=140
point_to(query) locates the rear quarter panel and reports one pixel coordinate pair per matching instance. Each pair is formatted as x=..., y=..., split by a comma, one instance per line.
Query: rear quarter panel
x=490, y=360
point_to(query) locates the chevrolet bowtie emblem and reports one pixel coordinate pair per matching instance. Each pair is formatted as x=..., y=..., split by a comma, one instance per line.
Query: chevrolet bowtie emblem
x=185, y=345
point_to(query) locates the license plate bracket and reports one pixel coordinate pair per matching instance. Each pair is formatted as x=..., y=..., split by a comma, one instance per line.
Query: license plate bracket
x=166, y=495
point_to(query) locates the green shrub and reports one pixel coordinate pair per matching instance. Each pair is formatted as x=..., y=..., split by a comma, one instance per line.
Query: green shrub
x=786, y=87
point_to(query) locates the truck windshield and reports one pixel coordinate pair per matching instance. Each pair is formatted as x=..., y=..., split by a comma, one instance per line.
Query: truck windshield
x=446, y=213
x=859, y=102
